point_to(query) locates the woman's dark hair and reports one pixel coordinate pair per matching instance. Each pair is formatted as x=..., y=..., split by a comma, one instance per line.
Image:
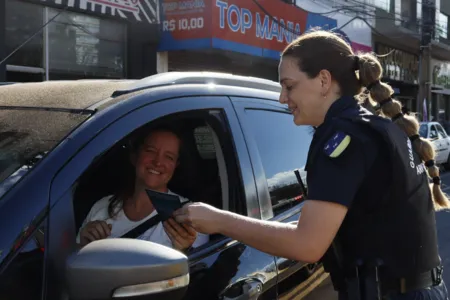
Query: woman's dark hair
x=322, y=50
x=134, y=142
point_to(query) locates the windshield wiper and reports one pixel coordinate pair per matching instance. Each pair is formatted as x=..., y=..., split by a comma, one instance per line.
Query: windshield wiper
x=58, y=109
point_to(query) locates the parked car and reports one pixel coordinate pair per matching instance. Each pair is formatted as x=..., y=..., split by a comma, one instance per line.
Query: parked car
x=437, y=135
x=63, y=146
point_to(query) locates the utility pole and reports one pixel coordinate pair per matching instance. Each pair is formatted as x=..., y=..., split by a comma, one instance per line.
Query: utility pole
x=425, y=72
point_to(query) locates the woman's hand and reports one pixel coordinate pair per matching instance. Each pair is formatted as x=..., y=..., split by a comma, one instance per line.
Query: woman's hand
x=203, y=217
x=181, y=235
x=93, y=231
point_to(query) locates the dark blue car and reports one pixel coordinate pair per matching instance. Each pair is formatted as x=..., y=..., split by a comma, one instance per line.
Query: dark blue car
x=62, y=149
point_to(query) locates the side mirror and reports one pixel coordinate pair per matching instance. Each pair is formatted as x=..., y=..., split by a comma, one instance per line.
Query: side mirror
x=126, y=268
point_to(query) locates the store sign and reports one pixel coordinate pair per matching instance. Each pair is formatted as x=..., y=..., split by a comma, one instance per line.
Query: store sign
x=132, y=10
x=261, y=28
x=398, y=65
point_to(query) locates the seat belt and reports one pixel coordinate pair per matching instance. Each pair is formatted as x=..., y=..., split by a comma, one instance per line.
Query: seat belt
x=140, y=229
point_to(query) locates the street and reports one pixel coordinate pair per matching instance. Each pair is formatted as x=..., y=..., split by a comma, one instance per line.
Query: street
x=443, y=227
x=325, y=289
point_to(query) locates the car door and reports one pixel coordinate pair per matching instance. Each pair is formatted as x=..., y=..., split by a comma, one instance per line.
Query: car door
x=23, y=259
x=220, y=269
x=445, y=143
x=278, y=147
x=30, y=155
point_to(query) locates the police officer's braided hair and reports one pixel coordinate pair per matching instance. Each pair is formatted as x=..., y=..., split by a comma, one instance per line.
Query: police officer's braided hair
x=370, y=73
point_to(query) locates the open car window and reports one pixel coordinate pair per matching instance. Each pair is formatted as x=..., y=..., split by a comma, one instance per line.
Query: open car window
x=28, y=135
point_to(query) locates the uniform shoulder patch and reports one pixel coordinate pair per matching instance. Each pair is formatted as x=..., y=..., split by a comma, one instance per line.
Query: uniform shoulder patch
x=337, y=144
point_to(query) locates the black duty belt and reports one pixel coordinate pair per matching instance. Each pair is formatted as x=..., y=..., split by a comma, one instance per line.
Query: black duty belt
x=411, y=283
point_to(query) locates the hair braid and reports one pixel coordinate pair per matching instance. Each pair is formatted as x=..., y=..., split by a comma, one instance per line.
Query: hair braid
x=370, y=73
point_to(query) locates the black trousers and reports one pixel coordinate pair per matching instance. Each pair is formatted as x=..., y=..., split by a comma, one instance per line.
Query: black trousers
x=438, y=292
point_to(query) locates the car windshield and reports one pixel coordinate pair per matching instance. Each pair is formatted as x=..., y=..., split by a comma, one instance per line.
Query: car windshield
x=423, y=130
x=26, y=136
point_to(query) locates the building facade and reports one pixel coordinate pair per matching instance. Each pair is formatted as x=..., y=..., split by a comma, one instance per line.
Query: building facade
x=397, y=36
x=242, y=37
x=77, y=39
x=356, y=32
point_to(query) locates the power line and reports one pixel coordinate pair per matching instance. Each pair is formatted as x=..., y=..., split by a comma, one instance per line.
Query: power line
x=439, y=28
x=336, y=10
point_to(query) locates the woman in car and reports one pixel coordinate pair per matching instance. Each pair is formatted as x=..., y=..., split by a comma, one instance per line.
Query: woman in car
x=154, y=157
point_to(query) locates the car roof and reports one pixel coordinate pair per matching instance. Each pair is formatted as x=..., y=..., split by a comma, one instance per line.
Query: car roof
x=82, y=94
x=75, y=94
x=429, y=123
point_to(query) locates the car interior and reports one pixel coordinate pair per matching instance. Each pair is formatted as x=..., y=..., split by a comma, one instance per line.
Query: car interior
x=201, y=175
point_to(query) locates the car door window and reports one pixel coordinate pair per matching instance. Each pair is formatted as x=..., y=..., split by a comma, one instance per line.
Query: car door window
x=104, y=165
x=433, y=132
x=441, y=131
x=283, y=148
x=423, y=131
x=196, y=176
x=23, y=277
x=192, y=116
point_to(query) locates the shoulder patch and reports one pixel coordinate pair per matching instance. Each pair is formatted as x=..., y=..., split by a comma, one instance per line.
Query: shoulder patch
x=337, y=144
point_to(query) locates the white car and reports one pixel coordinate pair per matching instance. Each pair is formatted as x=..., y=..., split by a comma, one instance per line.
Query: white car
x=435, y=133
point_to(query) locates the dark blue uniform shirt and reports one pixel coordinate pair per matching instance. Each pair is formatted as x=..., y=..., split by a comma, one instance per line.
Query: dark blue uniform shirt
x=339, y=179
x=367, y=164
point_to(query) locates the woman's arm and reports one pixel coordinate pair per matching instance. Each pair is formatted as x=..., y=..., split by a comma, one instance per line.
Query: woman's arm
x=333, y=183
x=307, y=241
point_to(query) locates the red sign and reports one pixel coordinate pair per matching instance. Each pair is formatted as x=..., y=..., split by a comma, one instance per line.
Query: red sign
x=245, y=22
x=258, y=27
x=187, y=19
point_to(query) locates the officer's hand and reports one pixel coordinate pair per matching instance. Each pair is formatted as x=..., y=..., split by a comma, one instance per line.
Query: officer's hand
x=95, y=230
x=202, y=217
x=181, y=235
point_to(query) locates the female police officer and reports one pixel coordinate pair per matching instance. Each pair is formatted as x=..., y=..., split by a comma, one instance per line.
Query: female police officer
x=370, y=198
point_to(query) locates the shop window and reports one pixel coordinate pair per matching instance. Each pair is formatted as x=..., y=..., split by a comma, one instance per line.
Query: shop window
x=85, y=46
x=442, y=26
x=17, y=30
x=406, y=10
x=383, y=4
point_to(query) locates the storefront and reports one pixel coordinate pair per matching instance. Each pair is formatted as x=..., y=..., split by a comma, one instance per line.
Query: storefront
x=401, y=70
x=74, y=39
x=440, y=90
x=236, y=36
